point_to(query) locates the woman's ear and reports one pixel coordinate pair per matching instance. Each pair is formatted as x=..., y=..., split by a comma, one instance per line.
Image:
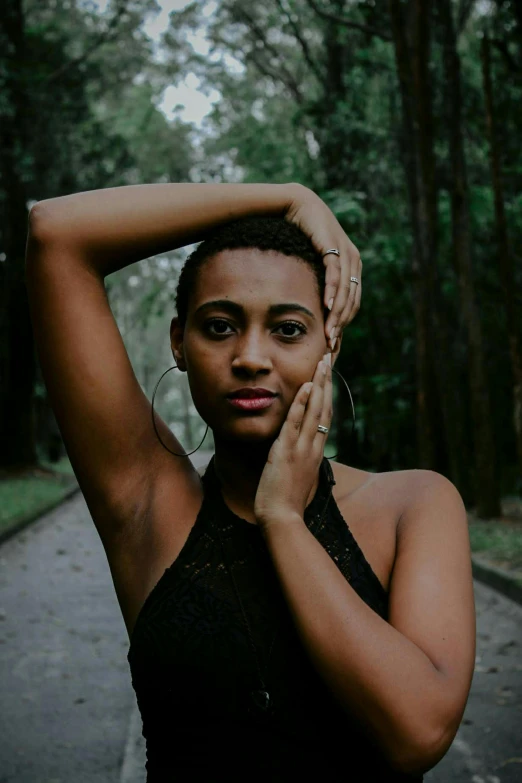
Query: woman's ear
x=176, y=343
x=336, y=350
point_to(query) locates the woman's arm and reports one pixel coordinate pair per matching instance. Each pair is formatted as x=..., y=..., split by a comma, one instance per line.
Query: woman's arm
x=406, y=680
x=114, y=227
x=103, y=413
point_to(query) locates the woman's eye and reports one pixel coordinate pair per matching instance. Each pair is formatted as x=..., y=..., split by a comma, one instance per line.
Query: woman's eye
x=219, y=326
x=293, y=325
x=217, y=321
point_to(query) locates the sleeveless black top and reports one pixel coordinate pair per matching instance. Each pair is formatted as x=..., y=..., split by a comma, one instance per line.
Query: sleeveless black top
x=193, y=669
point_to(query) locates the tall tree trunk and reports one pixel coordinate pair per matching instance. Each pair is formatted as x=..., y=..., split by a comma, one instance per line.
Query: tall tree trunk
x=487, y=493
x=426, y=437
x=435, y=397
x=332, y=146
x=505, y=259
x=17, y=361
x=331, y=137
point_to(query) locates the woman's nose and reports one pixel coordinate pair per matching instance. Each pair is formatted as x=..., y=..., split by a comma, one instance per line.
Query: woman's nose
x=252, y=355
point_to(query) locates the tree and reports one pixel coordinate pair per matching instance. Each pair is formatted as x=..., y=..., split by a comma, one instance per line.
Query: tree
x=17, y=433
x=486, y=488
x=101, y=128
x=504, y=252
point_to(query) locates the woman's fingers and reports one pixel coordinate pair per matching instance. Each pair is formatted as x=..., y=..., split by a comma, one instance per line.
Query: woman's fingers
x=332, y=263
x=349, y=264
x=312, y=405
x=356, y=271
x=309, y=212
x=314, y=408
x=318, y=410
x=294, y=418
x=353, y=302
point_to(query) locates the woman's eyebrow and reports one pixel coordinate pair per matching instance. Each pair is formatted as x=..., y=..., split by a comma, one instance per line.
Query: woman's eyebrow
x=237, y=309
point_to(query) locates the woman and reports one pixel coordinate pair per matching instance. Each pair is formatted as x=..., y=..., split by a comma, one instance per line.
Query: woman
x=263, y=643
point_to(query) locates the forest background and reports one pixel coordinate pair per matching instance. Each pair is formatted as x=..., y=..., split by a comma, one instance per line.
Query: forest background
x=403, y=115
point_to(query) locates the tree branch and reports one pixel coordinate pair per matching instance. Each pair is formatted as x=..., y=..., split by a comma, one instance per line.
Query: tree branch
x=303, y=44
x=513, y=65
x=283, y=74
x=108, y=35
x=464, y=10
x=275, y=75
x=364, y=28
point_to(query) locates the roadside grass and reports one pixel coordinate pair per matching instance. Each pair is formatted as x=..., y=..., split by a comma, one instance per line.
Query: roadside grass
x=499, y=541
x=501, y=545
x=32, y=493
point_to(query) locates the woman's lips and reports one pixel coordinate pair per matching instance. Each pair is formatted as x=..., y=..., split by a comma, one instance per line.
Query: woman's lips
x=251, y=403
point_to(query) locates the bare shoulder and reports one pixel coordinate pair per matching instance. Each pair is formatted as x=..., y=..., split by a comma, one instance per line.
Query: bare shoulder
x=372, y=505
x=422, y=489
x=388, y=490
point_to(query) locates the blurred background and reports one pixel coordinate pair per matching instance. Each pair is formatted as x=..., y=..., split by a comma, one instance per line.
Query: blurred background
x=404, y=116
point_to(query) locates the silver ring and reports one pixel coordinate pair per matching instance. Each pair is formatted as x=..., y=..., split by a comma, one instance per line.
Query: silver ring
x=332, y=250
x=322, y=429
x=354, y=280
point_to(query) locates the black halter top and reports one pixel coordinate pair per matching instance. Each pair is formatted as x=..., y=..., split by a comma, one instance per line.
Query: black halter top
x=193, y=669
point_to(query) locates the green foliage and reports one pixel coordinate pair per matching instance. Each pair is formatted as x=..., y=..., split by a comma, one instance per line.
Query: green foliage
x=501, y=542
x=314, y=101
x=30, y=496
x=302, y=98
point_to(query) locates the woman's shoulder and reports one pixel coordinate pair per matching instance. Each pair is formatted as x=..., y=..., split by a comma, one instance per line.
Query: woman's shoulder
x=389, y=492
x=350, y=481
x=372, y=505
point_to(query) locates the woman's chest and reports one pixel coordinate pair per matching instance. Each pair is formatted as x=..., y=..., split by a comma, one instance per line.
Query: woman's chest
x=369, y=510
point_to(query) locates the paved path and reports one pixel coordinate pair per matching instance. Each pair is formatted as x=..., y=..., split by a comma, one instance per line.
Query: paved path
x=64, y=683
x=65, y=691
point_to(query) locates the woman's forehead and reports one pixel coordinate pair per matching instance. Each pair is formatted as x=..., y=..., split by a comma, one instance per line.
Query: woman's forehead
x=257, y=273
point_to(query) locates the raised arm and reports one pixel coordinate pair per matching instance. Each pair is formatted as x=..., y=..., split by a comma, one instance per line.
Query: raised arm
x=103, y=414
x=115, y=227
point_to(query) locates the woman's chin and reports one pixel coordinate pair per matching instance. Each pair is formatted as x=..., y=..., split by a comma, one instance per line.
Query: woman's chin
x=252, y=430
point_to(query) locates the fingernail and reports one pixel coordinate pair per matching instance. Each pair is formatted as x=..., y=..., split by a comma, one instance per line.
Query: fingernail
x=333, y=343
x=328, y=359
x=332, y=332
x=330, y=303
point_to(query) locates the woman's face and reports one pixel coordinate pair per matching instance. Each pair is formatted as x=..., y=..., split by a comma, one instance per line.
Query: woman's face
x=255, y=319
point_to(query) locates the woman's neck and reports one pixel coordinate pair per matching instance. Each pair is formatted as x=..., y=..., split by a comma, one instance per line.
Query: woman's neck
x=239, y=467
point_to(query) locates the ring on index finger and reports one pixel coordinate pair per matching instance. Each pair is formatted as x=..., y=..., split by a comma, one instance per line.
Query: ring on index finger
x=332, y=250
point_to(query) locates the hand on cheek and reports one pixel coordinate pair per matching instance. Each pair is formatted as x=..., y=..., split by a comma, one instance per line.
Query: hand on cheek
x=296, y=455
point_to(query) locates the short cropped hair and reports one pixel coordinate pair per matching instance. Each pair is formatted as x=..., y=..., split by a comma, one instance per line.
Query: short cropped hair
x=262, y=232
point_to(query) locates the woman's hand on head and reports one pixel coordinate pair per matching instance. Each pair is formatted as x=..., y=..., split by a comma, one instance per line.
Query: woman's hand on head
x=308, y=211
